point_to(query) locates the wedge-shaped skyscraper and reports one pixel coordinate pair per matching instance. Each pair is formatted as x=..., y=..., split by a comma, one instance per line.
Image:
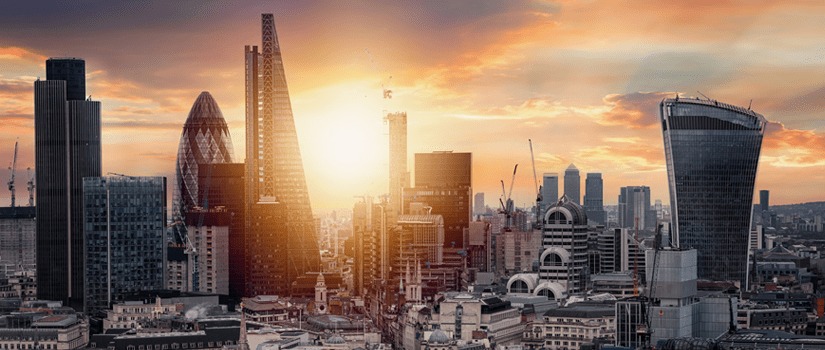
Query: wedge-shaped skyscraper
x=712, y=151
x=204, y=140
x=276, y=186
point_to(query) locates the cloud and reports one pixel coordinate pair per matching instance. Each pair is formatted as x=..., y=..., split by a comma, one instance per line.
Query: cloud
x=792, y=148
x=14, y=53
x=634, y=110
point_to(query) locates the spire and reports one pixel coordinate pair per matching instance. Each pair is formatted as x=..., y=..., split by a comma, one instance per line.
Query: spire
x=242, y=343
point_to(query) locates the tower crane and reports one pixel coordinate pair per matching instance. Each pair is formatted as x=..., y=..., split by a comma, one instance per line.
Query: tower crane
x=30, y=186
x=13, y=167
x=536, y=184
x=506, y=203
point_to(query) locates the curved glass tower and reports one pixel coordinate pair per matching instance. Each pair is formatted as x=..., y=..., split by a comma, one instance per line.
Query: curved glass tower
x=712, y=152
x=205, y=139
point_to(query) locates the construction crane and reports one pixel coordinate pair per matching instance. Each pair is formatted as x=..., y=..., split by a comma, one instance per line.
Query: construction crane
x=506, y=203
x=13, y=167
x=30, y=186
x=536, y=185
x=644, y=330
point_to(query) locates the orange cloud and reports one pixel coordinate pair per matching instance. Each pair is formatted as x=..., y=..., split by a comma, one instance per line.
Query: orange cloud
x=784, y=147
x=19, y=53
x=634, y=110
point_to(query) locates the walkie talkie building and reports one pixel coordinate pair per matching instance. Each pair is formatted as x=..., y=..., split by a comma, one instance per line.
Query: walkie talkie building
x=712, y=151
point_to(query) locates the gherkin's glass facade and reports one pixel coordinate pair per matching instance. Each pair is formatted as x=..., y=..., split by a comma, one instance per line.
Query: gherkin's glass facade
x=205, y=139
x=712, y=151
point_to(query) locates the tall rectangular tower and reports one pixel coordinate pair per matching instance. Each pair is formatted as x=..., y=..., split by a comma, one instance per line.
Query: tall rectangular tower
x=275, y=171
x=549, y=191
x=399, y=178
x=443, y=180
x=125, y=231
x=634, y=204
x=594, y=198
x=712, y=151
x=67, y=149
x=573, y=184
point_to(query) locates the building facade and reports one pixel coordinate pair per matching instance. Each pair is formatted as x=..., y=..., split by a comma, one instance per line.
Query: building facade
x=594, y=198
x=399, y=177
x=443, y=181
x=274, y=168
x=634, y=208
x=208, y=231
x=125, y=227
x=18, y=230
x=712, y=151
x=573, y=184
x=67, y=149
x=549, y=190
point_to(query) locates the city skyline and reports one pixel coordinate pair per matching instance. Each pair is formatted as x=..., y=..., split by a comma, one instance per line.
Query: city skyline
x=584, y=94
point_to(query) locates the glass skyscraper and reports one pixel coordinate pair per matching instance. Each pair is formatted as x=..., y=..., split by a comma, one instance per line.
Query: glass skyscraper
x=712, y=151
x=124, y=226
x=549, y=191
x=573, y=184
x=594, y=198
x=205, y=139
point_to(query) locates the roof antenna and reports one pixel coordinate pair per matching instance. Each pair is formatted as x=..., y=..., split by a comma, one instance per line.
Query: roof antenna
x=749, y=104
x=703, y=95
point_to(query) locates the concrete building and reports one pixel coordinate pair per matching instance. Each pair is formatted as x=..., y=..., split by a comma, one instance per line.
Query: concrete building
x=38, y=331
x=572, y=326
x=137, y=314
x=208, y=231
x=399, y=175
x=460, y=315
x=18, y=230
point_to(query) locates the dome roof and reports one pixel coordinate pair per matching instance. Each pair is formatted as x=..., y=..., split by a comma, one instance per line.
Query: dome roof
x=336, y=339
x=566, y=210
x=439, y=337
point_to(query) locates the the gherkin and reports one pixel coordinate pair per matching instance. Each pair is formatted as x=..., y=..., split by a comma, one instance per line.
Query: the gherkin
x=205, y=139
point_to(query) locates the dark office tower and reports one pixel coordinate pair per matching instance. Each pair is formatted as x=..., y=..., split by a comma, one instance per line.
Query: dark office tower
x=399, y=178
x=634, y=204
x=594, y=198
x=712, y=150
x=225, y=188
x=572, y=184
x=275, y=171
x=125, y=225
x=67, y=149
x=204, y=140
x=549, y=191
x=764, y=196
x=73, y=72
x=443, y=180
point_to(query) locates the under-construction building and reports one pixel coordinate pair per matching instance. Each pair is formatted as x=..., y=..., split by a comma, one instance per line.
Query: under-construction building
x=280, y=215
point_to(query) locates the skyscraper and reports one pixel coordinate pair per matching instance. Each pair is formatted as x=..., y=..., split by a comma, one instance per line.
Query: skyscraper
x=712, y=151
x=399, y=177
x=572, y=184
x=764, y=200
x=125, y=228
x=549, y=191
x=634, y=204
x=443, y=180
x=478, y=203
x=67, y=149
x=594, y=198
x=205, y=139
x=275, y=171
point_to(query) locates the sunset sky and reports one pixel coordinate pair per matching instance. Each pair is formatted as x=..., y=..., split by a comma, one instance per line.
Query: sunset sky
x=582, y=79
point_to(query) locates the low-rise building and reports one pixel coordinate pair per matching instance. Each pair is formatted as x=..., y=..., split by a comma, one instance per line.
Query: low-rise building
x=572, y=326
x=137, y=314
x=30, y=330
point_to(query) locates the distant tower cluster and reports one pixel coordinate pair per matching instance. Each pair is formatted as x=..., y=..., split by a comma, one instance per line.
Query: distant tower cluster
x=712, y=151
